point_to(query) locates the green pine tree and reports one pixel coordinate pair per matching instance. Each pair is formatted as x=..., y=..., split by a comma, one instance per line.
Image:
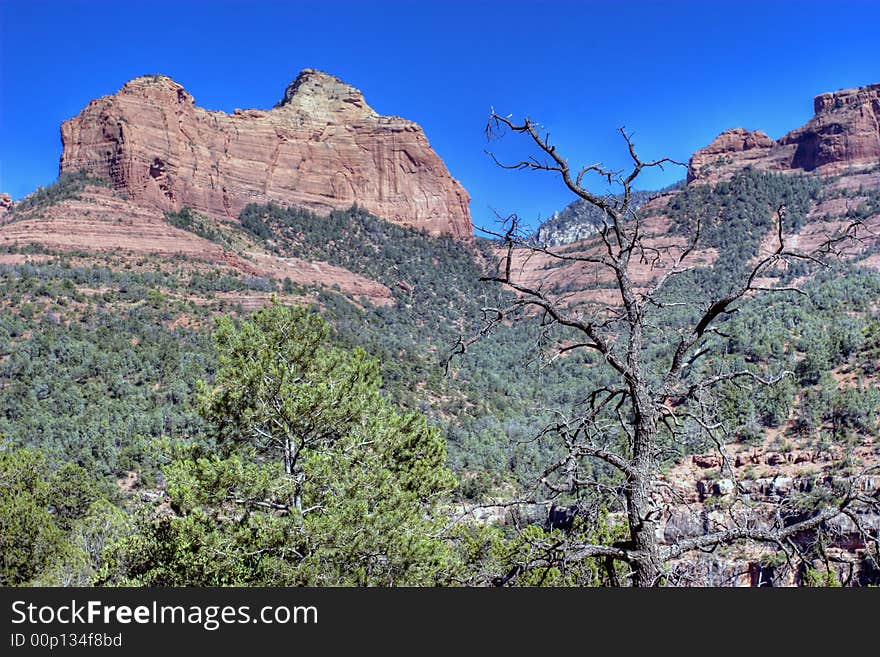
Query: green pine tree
x=314, y=478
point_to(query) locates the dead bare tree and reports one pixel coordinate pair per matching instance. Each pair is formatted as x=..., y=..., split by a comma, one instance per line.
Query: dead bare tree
x=646, y=407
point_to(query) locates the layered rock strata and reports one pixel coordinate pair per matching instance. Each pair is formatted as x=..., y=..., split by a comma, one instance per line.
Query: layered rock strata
x=322, y=147
x=842, y=137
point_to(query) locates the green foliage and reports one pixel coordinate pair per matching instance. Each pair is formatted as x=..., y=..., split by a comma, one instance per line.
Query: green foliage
x=493, y=551
x=92, y=374
x=72, y=493
x=82, y=561
x=189, y=220
x=828, y=328
x=281, y=389
x=40, y=506
x=442, y=273
x=254, y=222
x=825, y=578
x=735, y=215
x=29, y=537
x=315, y=478
x=488, y=404
x=68, y=186
x=96, y=390
x=855, y=408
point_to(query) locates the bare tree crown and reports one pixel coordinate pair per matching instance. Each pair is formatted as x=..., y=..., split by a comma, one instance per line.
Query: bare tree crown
x=625, y=426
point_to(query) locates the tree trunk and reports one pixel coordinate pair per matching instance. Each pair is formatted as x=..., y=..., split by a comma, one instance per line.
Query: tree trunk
x=641, y=512
x=288, y=457
x=643, y=532
x=291, y=454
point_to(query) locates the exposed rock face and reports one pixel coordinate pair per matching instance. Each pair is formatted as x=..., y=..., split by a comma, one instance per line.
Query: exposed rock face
x=6, y=204
x=738, y=140
x=845, y=131
x=701, y=495
x=321, y=147
x=843, y=136
x=579, y=220
x=736, y=145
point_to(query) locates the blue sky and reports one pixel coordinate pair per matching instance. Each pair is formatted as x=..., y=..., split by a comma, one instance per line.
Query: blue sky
x=675, y=73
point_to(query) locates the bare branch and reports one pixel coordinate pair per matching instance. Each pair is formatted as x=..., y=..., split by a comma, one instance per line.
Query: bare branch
x=622, y=423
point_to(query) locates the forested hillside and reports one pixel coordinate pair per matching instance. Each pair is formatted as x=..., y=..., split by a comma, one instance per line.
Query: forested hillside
x=107, y=369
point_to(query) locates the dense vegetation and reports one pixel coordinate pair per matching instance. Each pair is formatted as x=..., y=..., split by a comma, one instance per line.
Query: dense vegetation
x=99, y=377
x=55, y=521
x=305, y=475
x=93, y=378
x=191, y=221
x=69, y=186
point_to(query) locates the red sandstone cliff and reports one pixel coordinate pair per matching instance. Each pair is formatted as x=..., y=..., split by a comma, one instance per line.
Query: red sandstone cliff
x=843, y=136
x=321, y=147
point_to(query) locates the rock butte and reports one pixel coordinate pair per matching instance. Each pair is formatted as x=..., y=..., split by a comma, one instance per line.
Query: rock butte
x=842, y=137
x=322, y=147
